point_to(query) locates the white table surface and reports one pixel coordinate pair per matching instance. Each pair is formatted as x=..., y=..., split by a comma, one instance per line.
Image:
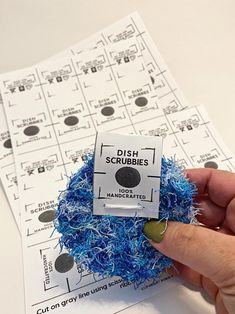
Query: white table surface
x=197, y=41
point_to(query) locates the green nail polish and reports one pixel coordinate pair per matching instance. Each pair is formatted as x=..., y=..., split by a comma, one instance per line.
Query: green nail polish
x=154, y=230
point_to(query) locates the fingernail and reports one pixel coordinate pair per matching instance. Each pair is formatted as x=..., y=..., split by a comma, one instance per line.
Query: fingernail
x=154, y=230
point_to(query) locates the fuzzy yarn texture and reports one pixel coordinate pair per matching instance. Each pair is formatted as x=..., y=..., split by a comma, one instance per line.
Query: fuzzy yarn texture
x=116, y=246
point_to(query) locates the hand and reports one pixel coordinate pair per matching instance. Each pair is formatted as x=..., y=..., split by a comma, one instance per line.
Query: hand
x=205, y=255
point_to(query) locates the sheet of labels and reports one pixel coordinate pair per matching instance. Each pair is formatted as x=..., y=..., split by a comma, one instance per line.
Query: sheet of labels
x=54, y=110
x=168, y=96
x=7, y=167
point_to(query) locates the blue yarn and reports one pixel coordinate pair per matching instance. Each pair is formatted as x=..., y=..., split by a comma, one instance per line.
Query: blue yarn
x=116, y=246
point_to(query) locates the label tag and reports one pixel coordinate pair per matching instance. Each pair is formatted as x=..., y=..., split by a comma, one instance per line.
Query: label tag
x=127, y=173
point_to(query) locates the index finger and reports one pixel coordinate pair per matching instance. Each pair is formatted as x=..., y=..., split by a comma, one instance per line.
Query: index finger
x=218, y=184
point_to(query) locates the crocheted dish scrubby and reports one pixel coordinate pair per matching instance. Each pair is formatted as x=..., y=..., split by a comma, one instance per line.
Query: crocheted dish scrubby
x=116, y=246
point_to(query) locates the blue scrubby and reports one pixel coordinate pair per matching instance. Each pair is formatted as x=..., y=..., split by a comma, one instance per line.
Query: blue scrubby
x=110, y=245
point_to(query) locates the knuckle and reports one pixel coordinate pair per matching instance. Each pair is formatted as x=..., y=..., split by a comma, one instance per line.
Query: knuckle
x=225, y=276
x=184, y=237
x=225, y=280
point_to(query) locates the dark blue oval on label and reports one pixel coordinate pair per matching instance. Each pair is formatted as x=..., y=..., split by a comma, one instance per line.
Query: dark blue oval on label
x=107, y=111
x=31, y=130
x=47, y=216
x=71, y=120
x=7, y=143
x=141, y=101
x=128, y=177
x=64, y=263
x=211, y=164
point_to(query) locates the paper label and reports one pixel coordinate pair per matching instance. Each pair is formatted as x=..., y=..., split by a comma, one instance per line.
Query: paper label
x=127, y=175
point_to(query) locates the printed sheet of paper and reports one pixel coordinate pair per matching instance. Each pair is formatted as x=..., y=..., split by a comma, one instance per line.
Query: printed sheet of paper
x=7, y=166
x=169, y=97
x=53, y=118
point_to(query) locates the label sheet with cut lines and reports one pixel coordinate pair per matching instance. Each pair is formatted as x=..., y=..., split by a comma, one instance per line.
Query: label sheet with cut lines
x=7, y=166
x=168, y=96
x=53, y=122
x=49, y=139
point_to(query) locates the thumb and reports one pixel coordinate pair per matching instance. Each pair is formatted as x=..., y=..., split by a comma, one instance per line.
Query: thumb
x=208, y=252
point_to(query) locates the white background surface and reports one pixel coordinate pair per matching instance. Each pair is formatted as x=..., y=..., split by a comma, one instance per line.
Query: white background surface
x=197, y=41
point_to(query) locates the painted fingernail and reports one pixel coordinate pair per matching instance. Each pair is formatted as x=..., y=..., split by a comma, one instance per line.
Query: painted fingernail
x=154, y=230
